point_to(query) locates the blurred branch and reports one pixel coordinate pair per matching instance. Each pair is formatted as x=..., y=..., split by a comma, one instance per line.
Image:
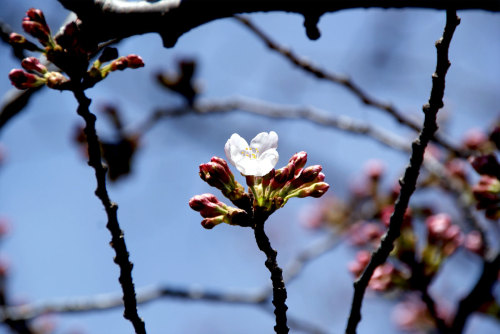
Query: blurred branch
x=14, y=101
x=108, y=19
x=117, y=236
x=409, y=180
x=271, y=110
x=479, y=295
x=346, y=82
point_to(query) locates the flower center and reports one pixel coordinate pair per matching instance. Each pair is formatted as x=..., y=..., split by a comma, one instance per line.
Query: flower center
x=250, y=153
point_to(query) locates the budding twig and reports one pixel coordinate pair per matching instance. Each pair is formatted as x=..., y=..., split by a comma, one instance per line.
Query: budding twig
x=409, y=180
x=117, y=237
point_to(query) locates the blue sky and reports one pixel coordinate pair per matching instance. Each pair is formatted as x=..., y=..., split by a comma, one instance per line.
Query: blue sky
x=58, y=246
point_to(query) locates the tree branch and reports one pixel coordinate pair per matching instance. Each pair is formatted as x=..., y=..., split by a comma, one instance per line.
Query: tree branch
x=347, y=83
x=279, y=290
x=409, y=180
x=108, y=19
x=117, y=237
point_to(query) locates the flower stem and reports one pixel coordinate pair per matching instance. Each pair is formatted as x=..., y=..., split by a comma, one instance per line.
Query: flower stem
x=279, y=290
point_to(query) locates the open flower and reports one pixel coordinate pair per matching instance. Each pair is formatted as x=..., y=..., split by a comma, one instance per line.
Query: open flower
x=256, y=159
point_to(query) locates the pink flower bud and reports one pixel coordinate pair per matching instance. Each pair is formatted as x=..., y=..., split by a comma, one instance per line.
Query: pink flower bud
x=23, y=80
x=438, y=224
x=358, y=266
x=210, y=223
x=298, y=160
x=56, y=80
x=34, y=24
x=15, y=38
x=474, y=242
x=374, y=169
x=382, y=277
x=208, y=205
x=134, y=61
x=307, y=175
x=474, y=139
x=33, y=64
x=36, y=15
x=486, y=164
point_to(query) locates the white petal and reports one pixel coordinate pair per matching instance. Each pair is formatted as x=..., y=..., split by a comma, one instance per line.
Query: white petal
x=233, y=148
x=267, y=161
x=265, y=141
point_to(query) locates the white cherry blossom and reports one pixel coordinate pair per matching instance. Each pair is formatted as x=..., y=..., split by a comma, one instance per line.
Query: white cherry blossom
x=256, y=159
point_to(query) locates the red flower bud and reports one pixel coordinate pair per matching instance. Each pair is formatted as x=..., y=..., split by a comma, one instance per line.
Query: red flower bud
x=208, y=205
x=36, y=15
x=134, y=61
x=486, y=165
x=298, y=159
x=23, y=80
x=33, y=64
x=38, y=31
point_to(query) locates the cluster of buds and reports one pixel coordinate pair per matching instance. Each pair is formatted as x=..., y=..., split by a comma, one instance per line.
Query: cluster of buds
x=384, y=278
x=487, y=194
x=273, y=190
x=443, y=239
x=216, y=212
x=70, y=51
x=36, y=74
x=269, y=189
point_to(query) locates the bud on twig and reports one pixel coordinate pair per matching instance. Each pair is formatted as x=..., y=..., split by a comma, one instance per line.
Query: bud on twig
x=24, y=80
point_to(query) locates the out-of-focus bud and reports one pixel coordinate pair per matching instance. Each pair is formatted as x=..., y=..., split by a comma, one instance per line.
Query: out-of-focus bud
x=473, y=241
x=357, y=266
x=182, y=83
x=457, y=168
x=381, y=279
x=475, y=139
x=56, y=80
x=33, y=64
x=486, y=165
x=443, y=236
x=23, y=80
x=363, y=233
x=20, y=41
x=130, y=61
x=374, y=169
x=34, y=24
x=487, y=195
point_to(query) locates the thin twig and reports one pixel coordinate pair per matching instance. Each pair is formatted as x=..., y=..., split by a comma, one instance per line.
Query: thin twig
x=117, y=237
x=279, y=290
x=344, y=81
x=266, y=109
x=409, y=180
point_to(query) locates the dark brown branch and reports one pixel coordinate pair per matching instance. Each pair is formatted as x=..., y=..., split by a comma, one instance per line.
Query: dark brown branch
x=346, y=82
x=105, y=19
x=409, y=180
x=117, y=237
x=480, y=294
x=279, y=290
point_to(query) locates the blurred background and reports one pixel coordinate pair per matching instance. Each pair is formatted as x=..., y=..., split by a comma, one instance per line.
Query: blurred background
x=57, y=247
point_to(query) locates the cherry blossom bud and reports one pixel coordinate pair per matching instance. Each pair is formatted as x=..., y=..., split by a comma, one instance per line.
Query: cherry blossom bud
x=208, y=205
x=474, y=242
x=487, y=195
x=56, y=80
x=357, y=266
x=216, y=212
x=486, y=165
x=34, y=24
x=298, y=160
x=374, y=169
x=307, y=175
x=475, y=139
x=381, y=279
x=23, y=80
x=33, y=64
x=19, y=40
x=131, y=61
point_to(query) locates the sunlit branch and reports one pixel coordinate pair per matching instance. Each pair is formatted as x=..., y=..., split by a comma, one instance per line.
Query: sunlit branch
x=409, y=180
x=108, y=19
x=271, y=110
